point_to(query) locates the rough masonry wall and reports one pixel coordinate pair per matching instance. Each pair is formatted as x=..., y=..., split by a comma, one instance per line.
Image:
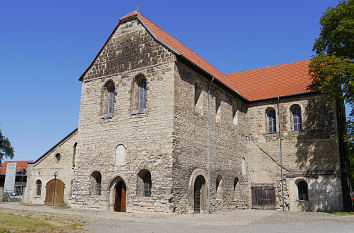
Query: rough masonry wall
x=147, y=137
x=310, y=154
x=228, y=144
x=45, y=168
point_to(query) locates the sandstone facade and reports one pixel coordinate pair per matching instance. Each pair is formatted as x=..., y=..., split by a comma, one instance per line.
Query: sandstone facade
x=193, y=137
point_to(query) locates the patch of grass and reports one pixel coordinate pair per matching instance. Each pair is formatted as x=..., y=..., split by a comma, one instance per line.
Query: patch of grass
x=28, y=204
x=343, y=213
x=20, y=223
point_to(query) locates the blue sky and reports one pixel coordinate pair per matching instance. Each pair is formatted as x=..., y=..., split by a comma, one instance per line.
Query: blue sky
x=46, y=45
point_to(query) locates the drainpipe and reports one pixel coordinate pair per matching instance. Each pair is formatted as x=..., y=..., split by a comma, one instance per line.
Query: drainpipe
x=281, y=158
x=209, y=140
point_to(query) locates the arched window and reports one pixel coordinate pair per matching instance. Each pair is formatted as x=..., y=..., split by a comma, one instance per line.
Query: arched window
x=39, y=188
x=139, y=98
x=58, y=157
x=234, y=115
x=296, y=117
x=144, y=183
x=74, y=153
x=271, y=122
x=237, y=189
x=218, y=186
x=96, y=180
x=198, y=99
x=217, y=108
x=302, y=191
x=108, y=99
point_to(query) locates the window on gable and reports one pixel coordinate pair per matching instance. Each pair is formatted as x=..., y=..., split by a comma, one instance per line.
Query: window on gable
x=139, y=92
x=271, y=122
x=217, y=109
x=302, y=191
x=198, y=99
x=39, y=188
x=296, y=117
x=108, y=100
x=96, y=180
x=58, y=157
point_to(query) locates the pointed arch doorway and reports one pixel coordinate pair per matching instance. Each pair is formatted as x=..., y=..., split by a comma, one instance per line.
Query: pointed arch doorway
x=120, y=196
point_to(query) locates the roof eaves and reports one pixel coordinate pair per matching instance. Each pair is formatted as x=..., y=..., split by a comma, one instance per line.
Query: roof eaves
x=283, y=96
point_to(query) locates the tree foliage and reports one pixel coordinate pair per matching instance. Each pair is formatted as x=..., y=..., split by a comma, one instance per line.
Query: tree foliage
x=332, y=68
x=6, y=150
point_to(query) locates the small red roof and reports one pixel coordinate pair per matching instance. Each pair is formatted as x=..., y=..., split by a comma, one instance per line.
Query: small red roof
x=21, y=165
x=273, y=81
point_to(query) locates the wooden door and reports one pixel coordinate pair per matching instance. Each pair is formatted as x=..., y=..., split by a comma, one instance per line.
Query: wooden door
x=120, y=198
x=263, y=197
x=54, y=193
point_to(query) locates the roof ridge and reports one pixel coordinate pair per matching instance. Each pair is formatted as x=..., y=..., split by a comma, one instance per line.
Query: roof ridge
x=269, y=66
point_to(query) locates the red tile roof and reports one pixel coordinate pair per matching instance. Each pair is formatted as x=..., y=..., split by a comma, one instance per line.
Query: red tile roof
x=181, y=49
x=273, y=81
x=257, y=84
x=21, y=165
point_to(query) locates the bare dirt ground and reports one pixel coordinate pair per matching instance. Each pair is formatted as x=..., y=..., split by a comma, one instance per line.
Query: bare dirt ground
x=245, y=221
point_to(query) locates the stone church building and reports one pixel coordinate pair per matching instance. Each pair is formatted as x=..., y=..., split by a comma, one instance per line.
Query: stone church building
x=161, y=130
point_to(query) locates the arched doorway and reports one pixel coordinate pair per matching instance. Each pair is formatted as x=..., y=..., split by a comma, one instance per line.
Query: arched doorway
x=54, y=193
x=199, y=194
x=120, y=197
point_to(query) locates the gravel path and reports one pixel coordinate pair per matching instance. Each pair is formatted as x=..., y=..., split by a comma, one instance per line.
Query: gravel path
x=244, y=221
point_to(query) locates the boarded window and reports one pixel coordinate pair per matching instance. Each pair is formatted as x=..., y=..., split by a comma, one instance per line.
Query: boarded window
x=39, y=188
x=302, y=191
x=243, y=166
x=120, y=155
x=296, y=117
x=271, y=122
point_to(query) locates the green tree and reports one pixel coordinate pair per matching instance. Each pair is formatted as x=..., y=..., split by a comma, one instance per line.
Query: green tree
x=332, y=71
x=6, y=150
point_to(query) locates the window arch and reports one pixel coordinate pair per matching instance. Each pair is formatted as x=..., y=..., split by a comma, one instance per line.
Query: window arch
x=302, y=191
x=296, y=117
x=144, y=183
x=108, y=99
x=39, y=187
x=139, y=92
x=271, y=120
x=96, y=180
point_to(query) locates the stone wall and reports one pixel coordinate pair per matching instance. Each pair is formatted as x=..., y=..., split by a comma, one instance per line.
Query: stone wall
x=146, y=137
x=44, y=169
x=190, y=147
x=310, y=154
